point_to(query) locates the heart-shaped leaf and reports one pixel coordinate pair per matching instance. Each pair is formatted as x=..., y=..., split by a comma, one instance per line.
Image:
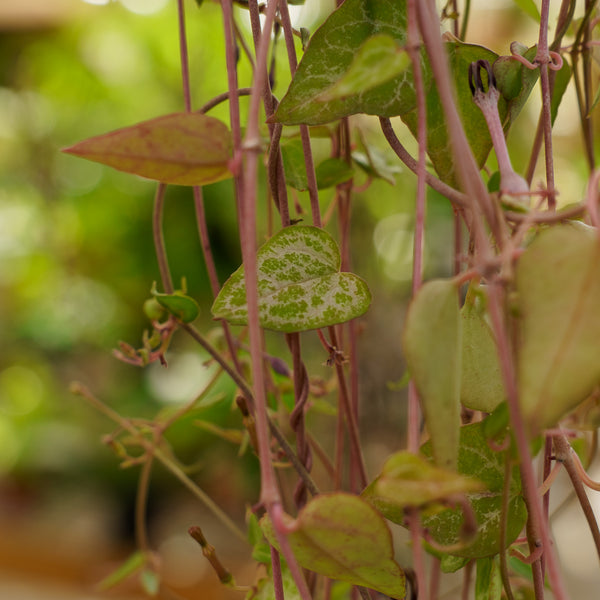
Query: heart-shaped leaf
x=327, y=84
x=432, y=348
x=342, y=536
x=482, y=387
x=299, y=285
x=408, y=480
x=478, y=460
x=181, y=148
x=329, y=57
x=558, y=285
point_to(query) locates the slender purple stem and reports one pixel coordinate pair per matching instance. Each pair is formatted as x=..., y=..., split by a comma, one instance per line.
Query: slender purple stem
x=468, y=172
x=563, y=454
x=304, y=132
x=458, y=199
x=538, y=526
x=269, y=495
x=159, y=240
x=276, y=576
x=543, y=58
x=184, y=60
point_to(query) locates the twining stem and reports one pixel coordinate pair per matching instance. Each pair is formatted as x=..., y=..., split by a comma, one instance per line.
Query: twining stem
x=479, y=201
x=579, y=48
x=355, y=447
x=152, y=451
x=414, y=408
x=277, y=580
x=232, y=81
x=458, y=199
x=159, y=240
x=564, y=454
x=269, y=494
x=141, y=503
x=185, y=66
x=503, y=527
x=565, y=16
x=536, y=524
x=304, y=132
x=543, y=58
x=248, y=394
x=414, y=415
x=546, y=470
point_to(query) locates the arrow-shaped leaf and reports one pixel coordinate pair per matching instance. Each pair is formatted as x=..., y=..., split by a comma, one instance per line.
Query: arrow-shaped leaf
x=342, y=536
x=299, y=285
x=181, y=148
x=328, y=59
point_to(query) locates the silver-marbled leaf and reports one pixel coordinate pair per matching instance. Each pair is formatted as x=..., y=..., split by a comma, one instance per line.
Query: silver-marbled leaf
x=300, y=286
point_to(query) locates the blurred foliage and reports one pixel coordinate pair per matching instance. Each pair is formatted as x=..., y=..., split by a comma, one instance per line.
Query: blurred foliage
x=77, y=260
x=76, y=254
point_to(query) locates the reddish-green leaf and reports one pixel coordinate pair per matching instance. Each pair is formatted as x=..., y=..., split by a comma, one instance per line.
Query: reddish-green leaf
x=181, y=148
x=343, y=537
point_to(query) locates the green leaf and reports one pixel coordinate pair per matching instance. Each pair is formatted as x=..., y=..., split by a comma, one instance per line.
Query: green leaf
x=299, y=285
x=558, y=284
x=432, y=348
x=529, y=8
x=374, y=164
x=378, y=60
x=264, y=590
x=343, y=537
x=488, y=584
x=482, y=386
x=132, y=565
x=408, y=480
x=478, y=460
x=561, y=82
x=180, y=148
x=150, y=581
x=179, y=305
x=330, y=59
x=460, y=56
x=451, y=564
x=294, y=164
x=333, y=171
x=329, y=56
x=515, y=82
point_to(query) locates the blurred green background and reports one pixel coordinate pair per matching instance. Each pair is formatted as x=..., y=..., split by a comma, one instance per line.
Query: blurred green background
x=77, y=263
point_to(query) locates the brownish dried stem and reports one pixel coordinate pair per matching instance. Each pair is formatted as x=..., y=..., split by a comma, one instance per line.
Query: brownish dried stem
x=564, y=454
